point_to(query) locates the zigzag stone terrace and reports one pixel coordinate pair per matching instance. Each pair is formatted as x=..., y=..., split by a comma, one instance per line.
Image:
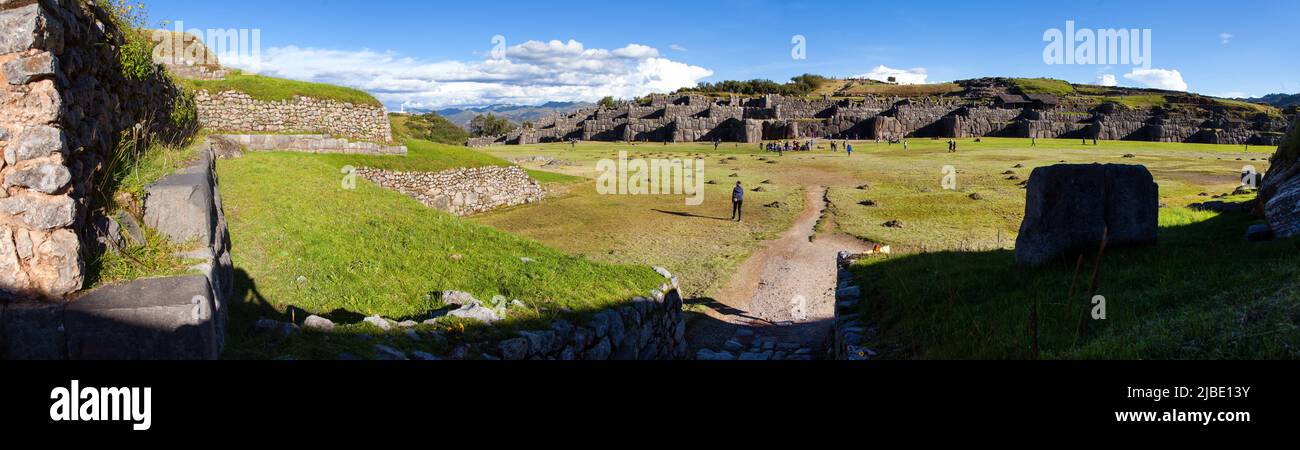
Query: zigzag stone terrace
x=985, y=108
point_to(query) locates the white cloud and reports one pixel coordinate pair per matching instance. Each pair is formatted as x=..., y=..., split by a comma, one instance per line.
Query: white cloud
x=1107, y=79
x=909, y=76
x=677, y=48
x=531, y=73
x=1234, y=94
x=1225, y=38
x=1158, y=78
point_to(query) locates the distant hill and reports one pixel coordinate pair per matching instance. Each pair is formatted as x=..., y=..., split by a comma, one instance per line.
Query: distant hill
x=515, y=113
x=1278, y=100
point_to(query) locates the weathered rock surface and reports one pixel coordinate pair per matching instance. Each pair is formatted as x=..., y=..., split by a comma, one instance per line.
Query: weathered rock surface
x=1280, y=192
x=1070, y=208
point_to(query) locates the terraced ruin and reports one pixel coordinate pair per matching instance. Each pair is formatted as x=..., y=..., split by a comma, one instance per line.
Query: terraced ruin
x=989, y=107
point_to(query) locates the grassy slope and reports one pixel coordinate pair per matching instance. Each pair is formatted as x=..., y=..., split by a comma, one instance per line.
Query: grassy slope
x=374, y=251
x=278, y=89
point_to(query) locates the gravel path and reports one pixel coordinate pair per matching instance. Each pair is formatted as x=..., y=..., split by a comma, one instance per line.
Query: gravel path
x=781, y=302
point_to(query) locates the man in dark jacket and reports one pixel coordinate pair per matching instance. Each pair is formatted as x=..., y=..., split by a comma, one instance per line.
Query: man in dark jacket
x=737, y=201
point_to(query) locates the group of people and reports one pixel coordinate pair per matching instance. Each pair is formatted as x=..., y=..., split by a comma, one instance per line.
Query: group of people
x=787, y=146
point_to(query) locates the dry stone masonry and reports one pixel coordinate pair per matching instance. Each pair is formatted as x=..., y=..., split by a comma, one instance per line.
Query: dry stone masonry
x=63, y=101
x=66, y=99
x=984, y=108
x=238, y=112
x=310, y=143
x=850, y=332
x=462, y=192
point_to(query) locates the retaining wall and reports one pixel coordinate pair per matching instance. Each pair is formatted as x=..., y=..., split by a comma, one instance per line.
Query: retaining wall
x=310, y=143
x=462, y=192
x=851, y=332
x=238, y=112
x=170, y=318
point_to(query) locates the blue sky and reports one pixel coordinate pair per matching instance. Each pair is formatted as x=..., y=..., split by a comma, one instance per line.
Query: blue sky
x=437, y=53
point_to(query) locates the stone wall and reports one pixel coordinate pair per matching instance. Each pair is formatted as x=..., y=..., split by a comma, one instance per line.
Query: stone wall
x=651, y=328
x=695, y=118
x=64, y=99
x=310, y=143
x=171, y=318
x=850, y=330
x=235, y=111
x=462, y=192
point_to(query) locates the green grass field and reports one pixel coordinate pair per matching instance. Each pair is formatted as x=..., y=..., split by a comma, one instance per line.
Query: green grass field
x=952, y=289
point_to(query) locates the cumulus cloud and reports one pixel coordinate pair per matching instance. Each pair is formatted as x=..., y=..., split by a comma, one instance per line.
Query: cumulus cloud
x=1158, y=78
x=1225, y=38
x=1107, y=79
x=530, y=73
x=901, y=76
x=677, y=48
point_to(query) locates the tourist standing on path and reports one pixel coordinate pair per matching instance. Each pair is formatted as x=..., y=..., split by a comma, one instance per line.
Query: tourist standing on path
x=737, y=201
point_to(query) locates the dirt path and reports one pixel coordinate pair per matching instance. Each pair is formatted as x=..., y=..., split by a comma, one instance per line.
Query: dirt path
x=781, y=302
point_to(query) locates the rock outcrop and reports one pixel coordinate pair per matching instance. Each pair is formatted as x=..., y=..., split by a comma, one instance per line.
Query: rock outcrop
x=1279, y=195
x=1071, y=208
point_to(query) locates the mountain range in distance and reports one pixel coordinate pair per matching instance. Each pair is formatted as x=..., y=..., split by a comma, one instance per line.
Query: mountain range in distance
x=1278, y=100
x=514, y=113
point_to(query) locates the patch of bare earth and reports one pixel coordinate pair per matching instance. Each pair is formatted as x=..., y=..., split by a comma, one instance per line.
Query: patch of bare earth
x=780, y=304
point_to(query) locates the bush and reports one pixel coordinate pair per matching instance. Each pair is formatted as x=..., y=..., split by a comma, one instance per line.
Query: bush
x=429, y=127
x=490, y=125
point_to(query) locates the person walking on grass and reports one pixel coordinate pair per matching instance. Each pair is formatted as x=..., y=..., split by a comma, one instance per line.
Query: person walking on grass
x=737, y=201
x=1033, y=141
x=849, y=148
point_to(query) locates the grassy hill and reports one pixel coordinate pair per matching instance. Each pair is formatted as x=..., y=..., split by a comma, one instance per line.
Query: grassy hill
x=277, y=89
x=429, y=127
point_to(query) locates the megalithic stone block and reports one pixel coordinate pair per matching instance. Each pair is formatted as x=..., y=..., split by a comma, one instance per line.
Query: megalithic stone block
x=180, y=206
x=1071, y=208
x=153, y=319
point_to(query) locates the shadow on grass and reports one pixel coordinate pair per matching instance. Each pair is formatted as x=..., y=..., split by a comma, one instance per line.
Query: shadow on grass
x=689, y=215
x=354, y=337
x=1202, y=292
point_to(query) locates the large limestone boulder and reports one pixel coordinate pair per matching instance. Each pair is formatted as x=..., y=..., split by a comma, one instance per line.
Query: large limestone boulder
x=1070, y=207
x=1279, y=194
